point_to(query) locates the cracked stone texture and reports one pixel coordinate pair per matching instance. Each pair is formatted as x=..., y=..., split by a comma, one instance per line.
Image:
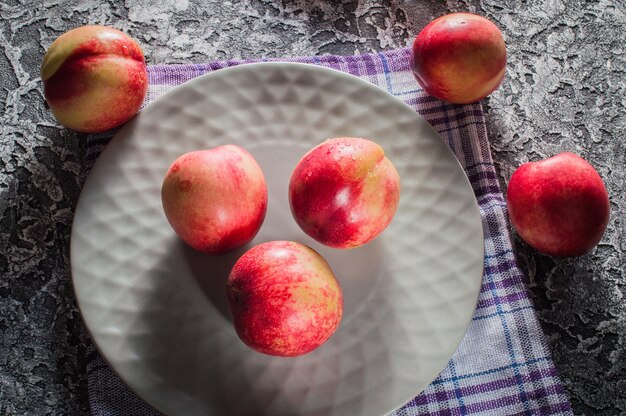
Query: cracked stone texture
x=564, y=90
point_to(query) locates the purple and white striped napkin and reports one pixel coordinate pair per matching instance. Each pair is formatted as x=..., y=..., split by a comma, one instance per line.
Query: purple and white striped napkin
x=503, y=365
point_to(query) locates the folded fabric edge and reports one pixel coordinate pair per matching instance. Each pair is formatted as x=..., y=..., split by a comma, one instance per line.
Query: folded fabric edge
x=162, y=74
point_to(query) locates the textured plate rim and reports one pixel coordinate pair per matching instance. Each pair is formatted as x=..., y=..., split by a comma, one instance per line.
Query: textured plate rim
x=307, y=67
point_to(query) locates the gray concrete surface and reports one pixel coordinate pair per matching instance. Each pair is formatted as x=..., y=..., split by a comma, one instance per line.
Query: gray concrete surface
x=564, y=90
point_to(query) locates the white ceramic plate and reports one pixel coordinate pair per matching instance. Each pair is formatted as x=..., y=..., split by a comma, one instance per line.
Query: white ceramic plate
x=157, y=310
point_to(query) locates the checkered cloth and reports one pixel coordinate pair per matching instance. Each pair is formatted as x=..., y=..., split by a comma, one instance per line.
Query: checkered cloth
x=503, y=365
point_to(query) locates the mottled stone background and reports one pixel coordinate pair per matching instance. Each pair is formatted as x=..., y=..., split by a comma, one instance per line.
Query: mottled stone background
x=564, y=90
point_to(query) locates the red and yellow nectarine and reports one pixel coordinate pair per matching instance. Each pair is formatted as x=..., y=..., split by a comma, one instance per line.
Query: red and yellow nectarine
x=459, y=58
x=284, y=298
x=215, y=199
x=344, y=192
x=94, y=78
x=559, y=205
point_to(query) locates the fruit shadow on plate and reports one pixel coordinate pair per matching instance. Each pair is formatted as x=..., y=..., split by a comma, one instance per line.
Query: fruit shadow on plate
x=188, y=342
x=210, y=274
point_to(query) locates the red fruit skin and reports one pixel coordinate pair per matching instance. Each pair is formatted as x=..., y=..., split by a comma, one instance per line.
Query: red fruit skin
x=459, y=58
x=344, y=192
x=94, y=78
x=215, y=200
x=284, y=299
x=559, y=206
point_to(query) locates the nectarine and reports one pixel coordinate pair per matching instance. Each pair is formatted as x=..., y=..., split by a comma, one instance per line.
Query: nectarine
x=284, y=298
x=215, y=199
x=344, y=192
x=94, y=78
x=559, y=205
x=459, y=58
